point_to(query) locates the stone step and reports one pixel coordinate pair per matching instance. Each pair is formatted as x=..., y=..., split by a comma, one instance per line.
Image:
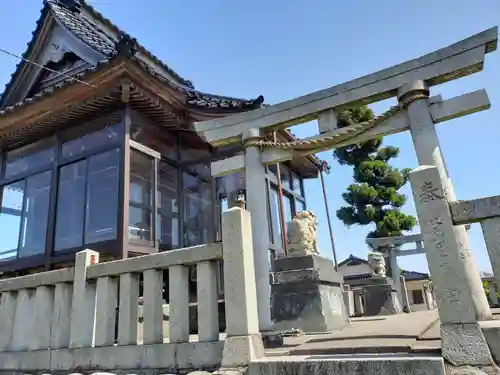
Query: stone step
x=362, y=364
x=369, y=346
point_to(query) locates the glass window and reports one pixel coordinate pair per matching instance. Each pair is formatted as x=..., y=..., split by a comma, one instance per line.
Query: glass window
x=192, y=147
x=70, y=206
x=198, y=211
x=35, y=214
x=231, y=185
x=24, y=216
x=201, y=169
x=272, y=169
x=301, y=206
x=141, y=197
x=275, y=217
x=91, y=141
x=28, y=158
x=168, y=230
x=287, y=209
x=297, y=184
x=102, y=193
x=10, y=219
x=285, y=177
x=164, y=142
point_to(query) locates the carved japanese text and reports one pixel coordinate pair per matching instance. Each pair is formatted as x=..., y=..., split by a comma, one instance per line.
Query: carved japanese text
x=429, y=193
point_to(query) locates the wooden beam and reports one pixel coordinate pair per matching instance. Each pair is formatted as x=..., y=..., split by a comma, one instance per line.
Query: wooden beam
x=441, y=111
x=63, y=98
x=125, y=91
x=475, y=210
x=450, y=63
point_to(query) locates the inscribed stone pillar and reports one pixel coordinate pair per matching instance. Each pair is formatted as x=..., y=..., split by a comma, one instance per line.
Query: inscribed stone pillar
x=463, y=342
x=427, y=148
x=256, y=197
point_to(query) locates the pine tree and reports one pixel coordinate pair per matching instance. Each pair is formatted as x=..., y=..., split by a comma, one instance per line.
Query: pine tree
x=373, y=198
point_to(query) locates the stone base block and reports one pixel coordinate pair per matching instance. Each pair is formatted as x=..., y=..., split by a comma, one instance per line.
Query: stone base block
x=308, y=298
x=239, y=351
x=272, y=339
x=463, y=344
x=348, y=365
x=491, y=332
x=381, y=299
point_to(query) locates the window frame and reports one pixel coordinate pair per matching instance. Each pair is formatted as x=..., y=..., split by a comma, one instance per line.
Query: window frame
x=297, y=199
x=22, y=224
x=151, y=208
x=56, y=140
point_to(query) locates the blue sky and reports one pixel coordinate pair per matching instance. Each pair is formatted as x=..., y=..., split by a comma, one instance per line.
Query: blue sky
x=283, y=49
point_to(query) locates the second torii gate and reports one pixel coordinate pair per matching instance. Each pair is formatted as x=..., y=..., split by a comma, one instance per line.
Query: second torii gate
x=377, y=243
x=408, y=81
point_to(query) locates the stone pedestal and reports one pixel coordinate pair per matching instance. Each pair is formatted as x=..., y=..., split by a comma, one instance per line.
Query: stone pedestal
x=307, y=294
x=381, y=298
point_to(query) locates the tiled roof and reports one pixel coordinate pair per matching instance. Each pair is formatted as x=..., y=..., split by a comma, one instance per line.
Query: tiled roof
x=67, y=12
x=194, y=97
x=140, y=47
x=82, y=28
x=354, y=260
x=413, y=275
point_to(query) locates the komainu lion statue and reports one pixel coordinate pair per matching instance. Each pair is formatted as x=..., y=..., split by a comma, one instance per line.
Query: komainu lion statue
x=301, y=235
x=377, y=262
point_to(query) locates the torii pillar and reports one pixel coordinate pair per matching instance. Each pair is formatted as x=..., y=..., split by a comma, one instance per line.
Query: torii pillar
x=256, y=199
x=428, y=151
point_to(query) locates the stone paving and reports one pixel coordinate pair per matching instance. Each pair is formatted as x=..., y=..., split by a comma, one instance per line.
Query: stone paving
x=417, y=332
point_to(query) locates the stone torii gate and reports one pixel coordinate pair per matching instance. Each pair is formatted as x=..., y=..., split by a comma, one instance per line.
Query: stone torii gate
x=409, y=82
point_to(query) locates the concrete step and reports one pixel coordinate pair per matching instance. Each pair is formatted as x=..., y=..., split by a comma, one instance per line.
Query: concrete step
x=353, y=364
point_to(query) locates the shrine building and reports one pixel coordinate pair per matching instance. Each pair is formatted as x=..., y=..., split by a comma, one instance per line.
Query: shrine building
x=98, y=150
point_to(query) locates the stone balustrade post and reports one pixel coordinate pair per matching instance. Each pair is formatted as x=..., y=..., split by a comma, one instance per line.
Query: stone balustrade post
x=428, y=151
x=23, y=320
x=83, y=309
x=243, y=341
x=463, y=342
x=7, y=314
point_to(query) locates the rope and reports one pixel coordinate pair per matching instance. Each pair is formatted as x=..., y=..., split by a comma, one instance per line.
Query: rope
x=57, y=73
x=342, y=134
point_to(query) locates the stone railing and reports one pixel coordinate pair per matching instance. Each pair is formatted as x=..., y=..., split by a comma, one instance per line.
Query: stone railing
x=485, y=211
x=67, y=320
x=493, y=289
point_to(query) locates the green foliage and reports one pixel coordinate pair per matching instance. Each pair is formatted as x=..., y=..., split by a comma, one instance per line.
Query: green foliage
x=373, y=198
